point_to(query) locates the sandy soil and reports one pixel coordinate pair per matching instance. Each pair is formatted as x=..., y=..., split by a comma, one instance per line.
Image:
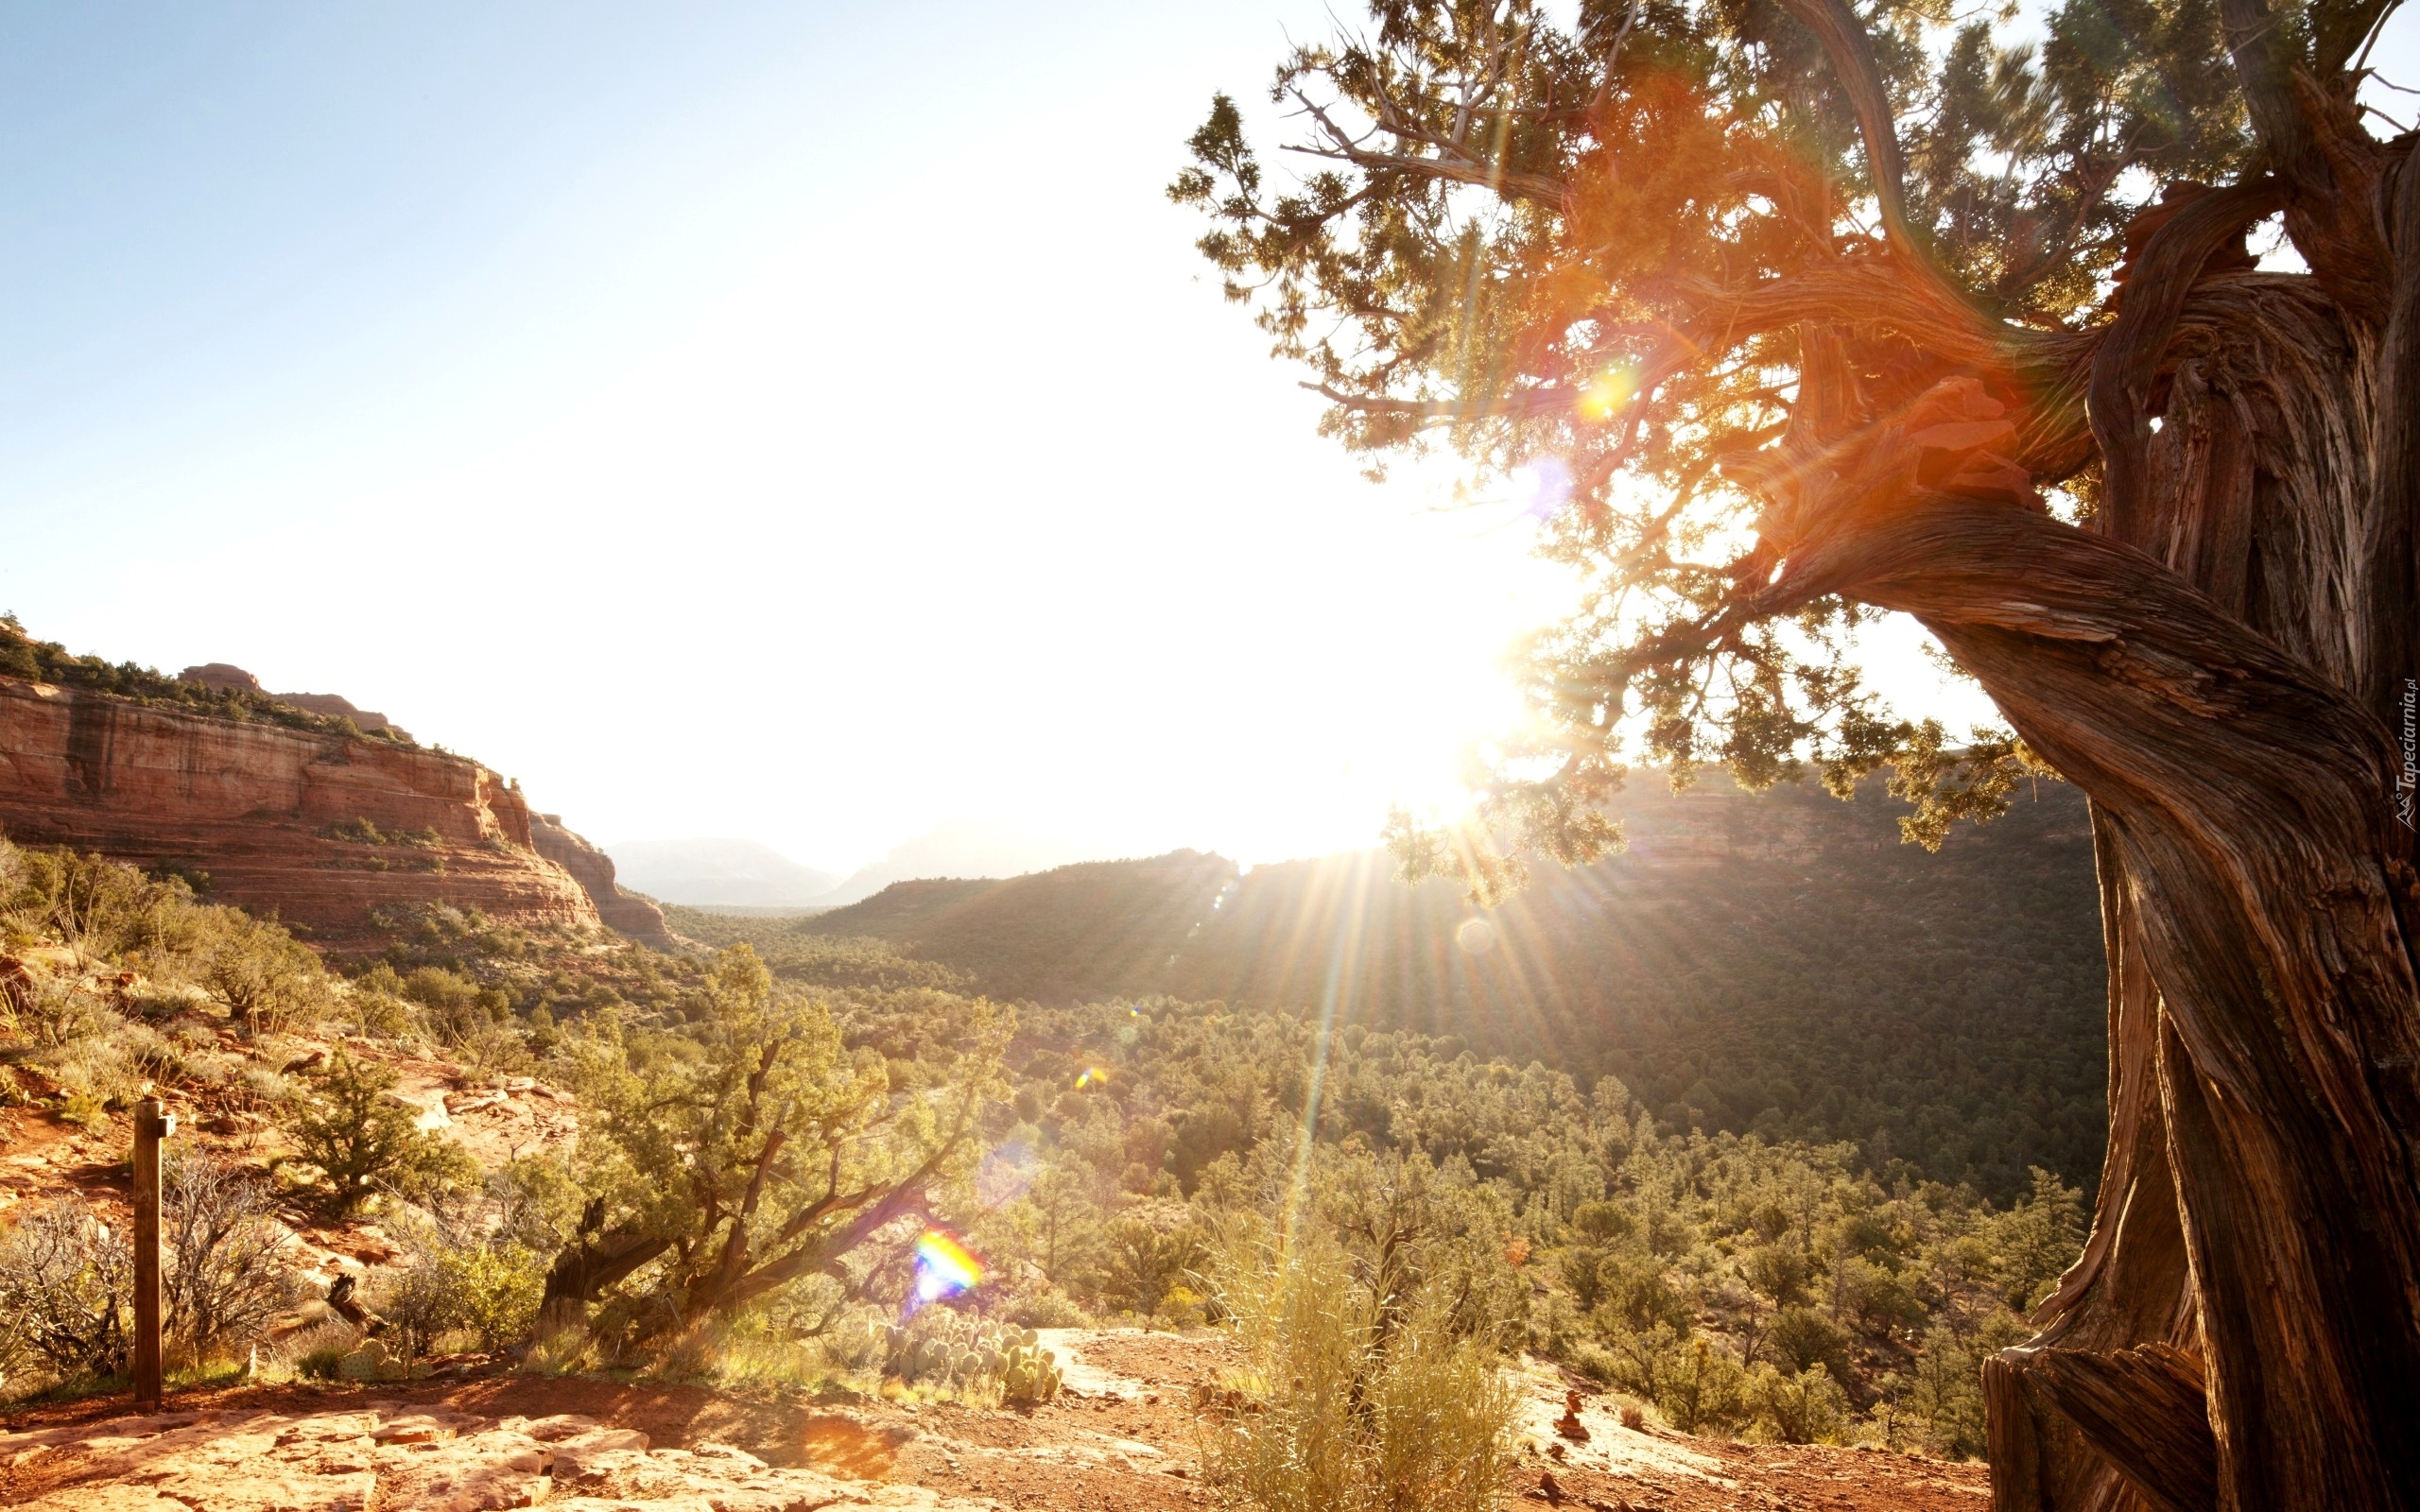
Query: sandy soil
x=1122, y=1440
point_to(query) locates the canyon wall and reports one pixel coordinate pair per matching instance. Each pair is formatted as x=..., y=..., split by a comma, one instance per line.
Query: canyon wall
x=320, y=828
x=637, y=918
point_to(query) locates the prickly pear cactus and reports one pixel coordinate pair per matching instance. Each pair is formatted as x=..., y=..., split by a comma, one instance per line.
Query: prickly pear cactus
x=1030, y=1374
x=941, y=1346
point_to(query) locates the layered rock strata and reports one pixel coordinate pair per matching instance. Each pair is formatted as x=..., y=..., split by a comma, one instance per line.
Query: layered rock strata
x=320, y=828
x=639, y=919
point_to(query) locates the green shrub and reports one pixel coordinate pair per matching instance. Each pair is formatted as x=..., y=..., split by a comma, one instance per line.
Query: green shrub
x=1148, y=1254
x=1806, y=1408
x=461, y=1283
x=265, y=978
x=356, y=1138
x=1047, y=1309
x=101, y=909
x=318, y=1351
x=1602, y=1223
x=1701, y=1388
x=1802, y=1338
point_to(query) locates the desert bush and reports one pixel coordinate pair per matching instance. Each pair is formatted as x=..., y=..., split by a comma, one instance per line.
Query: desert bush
x=1806, y=1408
x=1148, y=1254
x=1047, y=1309
x=1946, y=1396
x=108, y=1064
x=315, y=1353
x=1801, y=1338
x=461, y=1282
x=360, y=831
x=373, y=1004
x=67, y=1294
x=449, y=1003
x=265, y=978
x=751, y=1146
x=1701, y=1388
x=101, y=909
x=1346, y=1401
x=1602, y=1223
x=227, y=1274
x=59, y=1012
x=357, y=1138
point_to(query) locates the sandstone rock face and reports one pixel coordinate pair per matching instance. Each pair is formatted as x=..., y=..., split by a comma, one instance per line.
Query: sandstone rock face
x=635, y=917
x=388, y=1456
x=234, y=678
x=321, y=827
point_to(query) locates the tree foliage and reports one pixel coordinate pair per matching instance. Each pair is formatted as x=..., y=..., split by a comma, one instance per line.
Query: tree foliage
x=1624, y=256
x=749, y=1147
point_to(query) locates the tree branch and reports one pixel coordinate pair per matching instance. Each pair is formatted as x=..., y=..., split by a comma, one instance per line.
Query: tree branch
x=1845, y=44
x=2154, y=299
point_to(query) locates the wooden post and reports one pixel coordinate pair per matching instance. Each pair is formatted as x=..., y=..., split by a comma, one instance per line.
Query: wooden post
x=150, y=1127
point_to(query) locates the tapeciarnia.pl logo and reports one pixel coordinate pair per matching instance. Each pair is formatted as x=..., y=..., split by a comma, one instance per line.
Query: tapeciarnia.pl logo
x=2407, y=783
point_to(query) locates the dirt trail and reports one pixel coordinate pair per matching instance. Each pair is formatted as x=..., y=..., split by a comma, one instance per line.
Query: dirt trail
x=1122, y=1440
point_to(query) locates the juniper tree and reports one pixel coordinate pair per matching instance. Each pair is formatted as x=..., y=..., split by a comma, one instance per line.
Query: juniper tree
x=752, y=1147
x=1799, y=315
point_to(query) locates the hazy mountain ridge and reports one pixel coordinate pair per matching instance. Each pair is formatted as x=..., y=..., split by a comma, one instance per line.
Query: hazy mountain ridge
x=733, y=873
x=717, y=872
x=1777, y=962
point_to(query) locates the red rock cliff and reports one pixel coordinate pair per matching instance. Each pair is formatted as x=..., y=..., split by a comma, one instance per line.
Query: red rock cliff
x=260, y=808
x=576, y=853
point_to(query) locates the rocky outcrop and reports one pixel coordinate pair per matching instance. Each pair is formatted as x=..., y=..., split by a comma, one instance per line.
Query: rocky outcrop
x=234, y=678
x=396, y=1454
x=593, y=868
x=320, y=826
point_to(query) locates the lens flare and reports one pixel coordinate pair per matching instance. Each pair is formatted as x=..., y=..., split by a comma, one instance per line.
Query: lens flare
x=1006, y=1173
x=1606, y=392
x=943, y=1266
x=1541, y=487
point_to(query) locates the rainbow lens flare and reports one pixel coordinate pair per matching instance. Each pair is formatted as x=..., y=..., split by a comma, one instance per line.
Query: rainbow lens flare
x=944, y=1267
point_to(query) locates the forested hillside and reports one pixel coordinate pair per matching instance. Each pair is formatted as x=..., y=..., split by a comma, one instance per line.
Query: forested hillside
x=1777, y=963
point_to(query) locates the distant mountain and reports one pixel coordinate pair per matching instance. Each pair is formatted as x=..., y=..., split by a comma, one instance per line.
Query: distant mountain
x=957, y=847
x=730, y=873
x=1777, y=962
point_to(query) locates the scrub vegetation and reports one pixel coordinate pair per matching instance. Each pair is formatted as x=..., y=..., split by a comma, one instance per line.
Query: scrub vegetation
x=770, y=1148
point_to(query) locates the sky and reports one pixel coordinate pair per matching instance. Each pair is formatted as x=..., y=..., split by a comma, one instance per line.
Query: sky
x=801, y=422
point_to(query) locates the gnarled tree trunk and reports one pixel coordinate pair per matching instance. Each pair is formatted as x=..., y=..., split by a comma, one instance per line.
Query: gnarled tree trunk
x=2217, y=665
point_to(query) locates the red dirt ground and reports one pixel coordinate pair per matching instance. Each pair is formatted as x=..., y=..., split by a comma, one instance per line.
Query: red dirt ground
x=1127, y=1445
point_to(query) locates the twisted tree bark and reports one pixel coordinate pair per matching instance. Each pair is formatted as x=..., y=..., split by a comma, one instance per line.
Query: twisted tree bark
x=2211, y=666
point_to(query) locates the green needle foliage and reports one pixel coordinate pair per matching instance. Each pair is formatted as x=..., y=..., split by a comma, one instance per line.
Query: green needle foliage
x=356, y=1138
x=1605, y=246
x=750, y=1147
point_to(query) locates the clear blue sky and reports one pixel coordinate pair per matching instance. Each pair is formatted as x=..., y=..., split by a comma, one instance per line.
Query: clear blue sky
x=805, y=422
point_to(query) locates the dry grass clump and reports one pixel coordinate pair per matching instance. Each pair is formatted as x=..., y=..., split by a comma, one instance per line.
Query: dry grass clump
x=1350, y=1401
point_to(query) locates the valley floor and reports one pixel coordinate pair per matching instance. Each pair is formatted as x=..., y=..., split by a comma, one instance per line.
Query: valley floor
x=1121, y=1439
